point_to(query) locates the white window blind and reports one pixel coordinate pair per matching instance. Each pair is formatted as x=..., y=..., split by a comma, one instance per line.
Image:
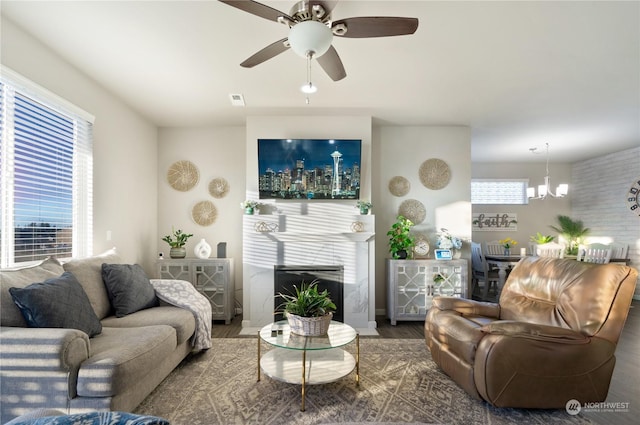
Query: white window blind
x=46, y=160
x=499, y=191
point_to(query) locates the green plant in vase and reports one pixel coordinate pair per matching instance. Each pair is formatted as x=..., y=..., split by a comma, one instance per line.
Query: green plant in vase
x=177, y=240
x=541, y=239
x=307, y=301
x=400, y=240
x=308, y=310
x=573, y=230
x=364, y=207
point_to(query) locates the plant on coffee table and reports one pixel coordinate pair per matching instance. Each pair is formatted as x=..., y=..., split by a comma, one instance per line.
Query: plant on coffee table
x=308, y=310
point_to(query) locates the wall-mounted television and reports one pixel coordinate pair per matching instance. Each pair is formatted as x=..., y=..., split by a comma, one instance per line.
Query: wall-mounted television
x=309, y=168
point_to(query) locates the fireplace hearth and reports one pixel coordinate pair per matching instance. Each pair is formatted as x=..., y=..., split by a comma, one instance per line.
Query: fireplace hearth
x=329, y=277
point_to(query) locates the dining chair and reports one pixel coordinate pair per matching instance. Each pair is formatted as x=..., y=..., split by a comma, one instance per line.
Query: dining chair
x=483, y=278
x=493, y=248
x=594, y=253
x=551, y=249
x=619, y=251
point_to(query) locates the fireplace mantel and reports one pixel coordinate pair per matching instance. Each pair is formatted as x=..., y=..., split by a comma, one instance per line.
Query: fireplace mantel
x=315, y=237
x=309, y=239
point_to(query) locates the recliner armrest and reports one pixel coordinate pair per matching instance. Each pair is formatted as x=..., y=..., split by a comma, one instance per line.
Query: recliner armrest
x=466, y=306
x=535, y=331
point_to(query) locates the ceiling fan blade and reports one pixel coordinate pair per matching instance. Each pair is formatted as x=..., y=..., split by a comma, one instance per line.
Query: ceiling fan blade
x=267, y=53
x=258, y=9
x=376, y=26
x=332, y=64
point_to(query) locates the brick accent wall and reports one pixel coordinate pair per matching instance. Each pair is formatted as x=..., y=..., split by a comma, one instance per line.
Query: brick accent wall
x=598, y=198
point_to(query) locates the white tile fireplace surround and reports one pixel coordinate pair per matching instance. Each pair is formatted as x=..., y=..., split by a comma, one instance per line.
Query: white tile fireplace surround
x=309, y=240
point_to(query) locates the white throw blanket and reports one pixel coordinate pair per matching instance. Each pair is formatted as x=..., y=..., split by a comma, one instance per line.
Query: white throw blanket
x=181, y=293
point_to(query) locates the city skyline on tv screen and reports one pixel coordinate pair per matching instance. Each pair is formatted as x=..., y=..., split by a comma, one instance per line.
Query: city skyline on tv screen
x=309, y=168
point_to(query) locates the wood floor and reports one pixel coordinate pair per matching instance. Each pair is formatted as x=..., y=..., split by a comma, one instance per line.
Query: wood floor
x=624, y=387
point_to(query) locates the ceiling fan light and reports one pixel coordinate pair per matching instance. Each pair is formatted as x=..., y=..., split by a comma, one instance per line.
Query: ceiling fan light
x=308, y=88
x=310, y=37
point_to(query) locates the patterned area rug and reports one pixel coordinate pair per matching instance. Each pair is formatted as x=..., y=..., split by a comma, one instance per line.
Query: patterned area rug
x=399, y=383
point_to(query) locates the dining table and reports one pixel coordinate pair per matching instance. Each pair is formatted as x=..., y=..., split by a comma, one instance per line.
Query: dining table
x=504, y=263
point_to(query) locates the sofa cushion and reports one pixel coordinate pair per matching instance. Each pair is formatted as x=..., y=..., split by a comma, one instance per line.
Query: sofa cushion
x=128, y=288
x=88, y=271
x=121, y=357
x=57, y=303
x=20, y=277
x=178, y=318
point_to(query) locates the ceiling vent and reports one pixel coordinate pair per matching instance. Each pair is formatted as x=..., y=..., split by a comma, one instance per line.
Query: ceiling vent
x=236, y=99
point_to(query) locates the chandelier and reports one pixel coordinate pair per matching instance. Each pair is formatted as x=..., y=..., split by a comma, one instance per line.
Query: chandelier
x=545, y=189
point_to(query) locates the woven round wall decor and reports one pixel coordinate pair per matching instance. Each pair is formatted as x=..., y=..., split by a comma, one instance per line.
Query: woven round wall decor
x=399, y=186
x=218, y=187
x=204, y=213
x=414, y=210
x=183, y=175
x=435, y=173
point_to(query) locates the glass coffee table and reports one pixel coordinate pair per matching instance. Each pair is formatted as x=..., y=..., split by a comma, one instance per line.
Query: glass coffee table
x=308, y=360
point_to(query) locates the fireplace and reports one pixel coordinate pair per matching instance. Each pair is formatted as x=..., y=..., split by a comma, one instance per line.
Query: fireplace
x=329, y=277
x=320, y=237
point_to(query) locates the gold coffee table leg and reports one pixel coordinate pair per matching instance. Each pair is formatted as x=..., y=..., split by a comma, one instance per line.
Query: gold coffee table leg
x=358, y=360
x=304, y=365
x=258, y=356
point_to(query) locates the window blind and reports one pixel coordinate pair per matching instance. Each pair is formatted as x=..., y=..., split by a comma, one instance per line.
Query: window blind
x=499, y=191
x=46, y=159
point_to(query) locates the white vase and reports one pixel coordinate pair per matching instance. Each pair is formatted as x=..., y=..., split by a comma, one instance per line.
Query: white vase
x=202, y=249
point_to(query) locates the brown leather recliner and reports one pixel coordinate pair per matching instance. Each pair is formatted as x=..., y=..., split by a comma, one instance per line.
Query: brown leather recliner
x=550, y=339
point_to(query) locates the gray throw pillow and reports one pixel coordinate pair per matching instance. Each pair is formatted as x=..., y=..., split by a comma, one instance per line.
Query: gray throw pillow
x=128, y=288
x=57, y=303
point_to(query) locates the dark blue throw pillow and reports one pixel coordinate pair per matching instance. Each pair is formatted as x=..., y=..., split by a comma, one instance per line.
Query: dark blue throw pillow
x=128, y=288
x=57, y=303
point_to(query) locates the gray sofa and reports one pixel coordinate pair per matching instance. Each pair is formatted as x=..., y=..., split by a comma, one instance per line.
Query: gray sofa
x=64, y=368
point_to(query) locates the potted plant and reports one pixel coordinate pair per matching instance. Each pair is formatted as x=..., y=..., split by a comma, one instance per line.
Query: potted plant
x=364, y=207
x=507, y=244
x=400, y=240
x=308, y=311
x=541, y=239
x=573, y=230
x=249, y=206
x=176, y=241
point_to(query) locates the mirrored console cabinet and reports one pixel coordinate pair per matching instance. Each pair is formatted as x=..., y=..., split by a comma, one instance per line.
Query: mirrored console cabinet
x=212, y=277
x=412, y=284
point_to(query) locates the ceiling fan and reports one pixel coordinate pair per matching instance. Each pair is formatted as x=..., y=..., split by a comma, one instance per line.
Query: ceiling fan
x=311, y=31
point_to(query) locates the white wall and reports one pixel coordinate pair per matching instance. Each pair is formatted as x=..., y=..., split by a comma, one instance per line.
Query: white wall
x=125, y=148
x=600, y=196
x=217, y=152
x=538, y=215
x=399, y=151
